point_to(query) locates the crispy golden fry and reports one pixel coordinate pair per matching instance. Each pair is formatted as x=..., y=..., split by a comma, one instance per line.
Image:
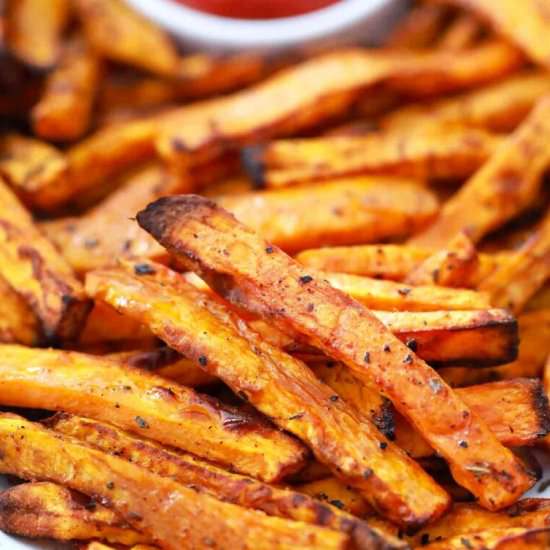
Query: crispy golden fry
x=531, y=35
x=442, y=153
x=170, y=513
x=18, y=323
x=118, y=32
x=337, y=494
x=516, y=410
x=35, y=270
x=419, y=28
x=462, y=33
x=191, y=471
x=146, y=404
x=167, y=363
x=65, y=107
x=46, y=510
x=534, y=347
x=283, y=388
x=526, y=272
x=500, y=106
x=29, y=165
x=346, y=211
x=455, y=266
x=316, y=90
x=108, y=231
x=467, y=518
x=246, y=269
x=511, y=538
x=33, y=29
x=501, y=189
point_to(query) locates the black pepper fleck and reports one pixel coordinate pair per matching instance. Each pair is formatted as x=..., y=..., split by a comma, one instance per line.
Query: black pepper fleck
x=305, y=279
x=387, y=348
x=142, y=423
x=463, y=444
x=337, y=503
x=203, y=361
x=383, y=445
x=366, y=357
x=403, y=291
x=144, y=269
x=110, y=485
x=412, y=344
x=408, y=359
x=269, y=250
x=334, y=398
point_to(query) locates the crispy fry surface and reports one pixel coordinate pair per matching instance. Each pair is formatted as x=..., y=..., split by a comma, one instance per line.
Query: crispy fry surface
x=281, y=387
x=33, y=268
x=147, y=405
x=172, y=514
x=262, y=278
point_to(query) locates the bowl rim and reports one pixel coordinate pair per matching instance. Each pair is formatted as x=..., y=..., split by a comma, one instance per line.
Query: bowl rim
x=217, y=31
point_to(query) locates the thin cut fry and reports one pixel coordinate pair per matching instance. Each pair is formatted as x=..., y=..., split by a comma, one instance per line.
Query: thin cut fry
x=170, y=513
x=65, y=107
x=527, y=270
x=33, y=29
x=146, y=404
x=34, y=269
x=461, y=33
x=347, y=211
x=118, y=32
x=229, y=487
x=247, y=270
x=281, y=387
x=47, y=510
x=442, y=153
x=501, y=189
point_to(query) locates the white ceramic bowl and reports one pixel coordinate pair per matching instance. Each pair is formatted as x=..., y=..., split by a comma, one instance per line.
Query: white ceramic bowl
x=344, y=22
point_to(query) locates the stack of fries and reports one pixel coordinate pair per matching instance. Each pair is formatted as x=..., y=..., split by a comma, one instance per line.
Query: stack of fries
x=260, y=305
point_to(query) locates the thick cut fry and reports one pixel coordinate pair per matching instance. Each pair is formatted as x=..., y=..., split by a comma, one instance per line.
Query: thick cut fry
x=316, y=90
x=46, y=510
x=247, y=270
x=467, y=518
x=516, y=410
x=500, y=106
x=531, y=35
x=29, y=165
x=33, y=29
x=280, y=386
x=455, y=266
x=65, y=108
x=442, y=153
x=118, y=32
x=18, y=323
x=191, y=471
x=461, y=33
x=389, y=295
x=173, y=515
x=526, y=272
x=346, y=211
x=501, y=189
x=35, y=270
x=148, y=405
x=108, y=232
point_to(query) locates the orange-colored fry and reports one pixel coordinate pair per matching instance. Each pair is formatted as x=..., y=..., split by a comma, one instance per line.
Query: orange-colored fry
x=248, y=271
x=461, y=33
x=148, y=405
x=65, y=107
x=506, y=184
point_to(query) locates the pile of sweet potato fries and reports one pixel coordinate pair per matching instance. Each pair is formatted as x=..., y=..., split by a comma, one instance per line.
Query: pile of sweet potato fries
x=293, y=303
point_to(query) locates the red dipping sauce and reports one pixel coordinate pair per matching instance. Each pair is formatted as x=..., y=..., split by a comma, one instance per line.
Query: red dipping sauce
x=257, y=9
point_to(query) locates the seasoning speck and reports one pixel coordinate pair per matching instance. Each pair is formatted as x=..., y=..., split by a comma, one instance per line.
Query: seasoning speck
x=366, y=358
x=408, y=359
x=412, y=344
x=203, y=361
x=305, y=279
x=387, y=348
x=337, y=503
x=144, y=269
x=334, y=398
x=269, y=250
x=142, y=423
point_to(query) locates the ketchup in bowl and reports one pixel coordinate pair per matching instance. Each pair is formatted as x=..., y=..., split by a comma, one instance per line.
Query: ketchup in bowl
x=257, y=9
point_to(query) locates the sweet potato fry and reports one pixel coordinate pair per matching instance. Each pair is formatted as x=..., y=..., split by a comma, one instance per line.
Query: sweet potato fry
x=278, y=385
x=541, y=300
x=247, y=270
x=18, y=323
x=65, y=107
x=512, y=284
x=47, y=510
x=33, y=29
x=345, y=211
x=29, y=165
x=146, y=404
x=461, y=33
x=316, y=90
x=501, y=189
x=173, y=515
x=229, y=487
x=33, y=268
x=500, y=106
x=449, y=153
x=531, y=35
x=119, y=33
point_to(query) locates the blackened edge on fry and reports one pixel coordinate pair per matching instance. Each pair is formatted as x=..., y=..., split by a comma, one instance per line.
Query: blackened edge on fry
x=253, y=163
x=541, y=407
